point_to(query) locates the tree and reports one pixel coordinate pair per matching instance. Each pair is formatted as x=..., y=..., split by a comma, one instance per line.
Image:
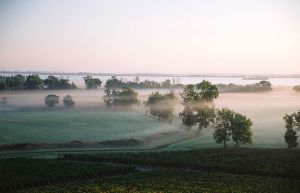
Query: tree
x=51, y=100
x=241, y=129
x=125, y=97
x=53, y=82
x=223, y=126
x=92, y=83
x=33, y=82
x=198, y=101
x=16, y=82
x=68, y=101
x=161, y=105
x=292, y=125
x=230, y=124
x=290, y=137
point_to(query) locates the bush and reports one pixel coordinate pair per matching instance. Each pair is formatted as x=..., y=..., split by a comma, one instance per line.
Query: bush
x=51, y=100
x=68, y=101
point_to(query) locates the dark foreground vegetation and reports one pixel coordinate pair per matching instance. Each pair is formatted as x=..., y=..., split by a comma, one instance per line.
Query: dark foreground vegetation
x=207, y=170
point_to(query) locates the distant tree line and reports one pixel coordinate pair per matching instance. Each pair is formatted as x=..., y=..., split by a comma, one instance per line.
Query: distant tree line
x=34, y=82
x=256, y=87
x=114, y=82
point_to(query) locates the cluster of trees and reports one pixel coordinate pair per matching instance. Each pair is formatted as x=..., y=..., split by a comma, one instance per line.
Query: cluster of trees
x=292, y=125
x=231, y=125
x=92, y=83
x=34, y=82
x=125, y=97
x=137, y=84
x=198, y=104
x=257, y=87
x=161, y=105
x=51, y=100
x=199, y=110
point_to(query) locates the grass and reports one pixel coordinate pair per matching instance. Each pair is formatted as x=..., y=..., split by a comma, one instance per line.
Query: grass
x=66, y=126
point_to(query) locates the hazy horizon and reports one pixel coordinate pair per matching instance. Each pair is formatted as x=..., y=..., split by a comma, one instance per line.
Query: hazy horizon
x=134, y=36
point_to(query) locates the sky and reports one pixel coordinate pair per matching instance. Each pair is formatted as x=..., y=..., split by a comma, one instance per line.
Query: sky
x=151, y=36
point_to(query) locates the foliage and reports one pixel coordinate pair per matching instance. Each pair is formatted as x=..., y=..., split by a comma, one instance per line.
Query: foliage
x=241, y=129
x=16, y=82
x=125, y=97
x=137, y=84
x=198, y=101
x=292, y=125
x=51, y=100
x=53, y=82
x=19, y=173
x=244, y=161
x=223, y=126
x=230, y=124
x=161, y=105
x=68, y=101
x=177, y=182
x=33, y=82
x=92, y=83
x=257, y=87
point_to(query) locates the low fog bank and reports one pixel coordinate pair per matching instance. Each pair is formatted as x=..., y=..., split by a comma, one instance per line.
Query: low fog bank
x=265, y=109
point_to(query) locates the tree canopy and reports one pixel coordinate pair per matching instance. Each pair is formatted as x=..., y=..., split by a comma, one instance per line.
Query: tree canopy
x=162, y=105
x=231, y=125
x=51, y=100
x=68, y=101
x=125, y=97
x=92, y=83
x=198, y=104
x=292, y=125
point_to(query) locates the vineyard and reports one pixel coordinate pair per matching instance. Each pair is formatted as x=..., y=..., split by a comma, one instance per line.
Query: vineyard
x=178, y=182
x=205, y=170
x=264, y=162
x=21, y=173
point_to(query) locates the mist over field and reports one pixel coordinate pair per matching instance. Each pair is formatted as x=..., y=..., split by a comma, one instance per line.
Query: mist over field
x=26, y=119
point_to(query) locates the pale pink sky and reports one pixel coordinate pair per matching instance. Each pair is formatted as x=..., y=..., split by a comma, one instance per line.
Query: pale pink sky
x=167, y=36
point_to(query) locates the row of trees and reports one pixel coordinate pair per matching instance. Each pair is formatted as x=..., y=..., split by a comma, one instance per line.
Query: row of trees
x=34, y=82
x=256, y=87
x=51, y=100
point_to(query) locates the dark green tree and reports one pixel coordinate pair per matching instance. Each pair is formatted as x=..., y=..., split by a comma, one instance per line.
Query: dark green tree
x=241, y=129
x=124, y=97
x=198, y=101
x=292, y=125
x=33, y=82
x=162, y=105
x=68, y=101
x=92, y=83
x=16, y=82
x=51, y=100
x=223, y=126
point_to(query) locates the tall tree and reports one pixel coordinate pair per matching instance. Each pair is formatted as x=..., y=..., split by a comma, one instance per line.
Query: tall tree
x=292, y=125
x=241, y=129
x=223, y=126
x=198, y=101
